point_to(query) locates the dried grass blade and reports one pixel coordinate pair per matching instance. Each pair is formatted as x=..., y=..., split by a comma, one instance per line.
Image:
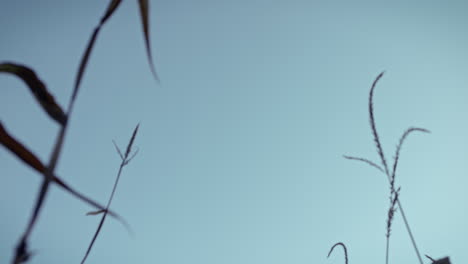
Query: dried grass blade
x=38, y=89
x=20, y=150
x=144, y=14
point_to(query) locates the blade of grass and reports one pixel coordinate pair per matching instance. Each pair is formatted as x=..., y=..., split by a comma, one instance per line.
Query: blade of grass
x=400, y=144
x=123, y=163
x=144, y=14
x=344, y=248
x=38, y=89
x=113, y=5
x=365, y=161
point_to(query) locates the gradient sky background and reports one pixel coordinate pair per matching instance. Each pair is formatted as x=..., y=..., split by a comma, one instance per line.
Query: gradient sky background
x=241, y=144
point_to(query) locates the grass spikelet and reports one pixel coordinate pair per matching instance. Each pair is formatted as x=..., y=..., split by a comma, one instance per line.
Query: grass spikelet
x=372, y=123
x=391, y=213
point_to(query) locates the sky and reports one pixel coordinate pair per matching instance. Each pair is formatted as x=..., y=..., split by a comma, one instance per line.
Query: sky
x=241, y=143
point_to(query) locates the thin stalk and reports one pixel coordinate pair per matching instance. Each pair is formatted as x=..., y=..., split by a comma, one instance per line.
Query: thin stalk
x=413, y=241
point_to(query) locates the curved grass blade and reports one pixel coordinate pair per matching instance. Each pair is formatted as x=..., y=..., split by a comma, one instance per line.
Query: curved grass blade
x=39, y=90
x=365, y=161
x=400, y=144
x=144, y=14
x=124, y=162
x=84, y=60
x=344, y=248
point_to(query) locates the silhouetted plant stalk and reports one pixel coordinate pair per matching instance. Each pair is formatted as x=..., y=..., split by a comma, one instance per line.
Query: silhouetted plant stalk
x=126, y=158
x=394, y=194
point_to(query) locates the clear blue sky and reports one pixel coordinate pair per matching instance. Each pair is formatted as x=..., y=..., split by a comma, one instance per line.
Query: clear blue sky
x=241, y=144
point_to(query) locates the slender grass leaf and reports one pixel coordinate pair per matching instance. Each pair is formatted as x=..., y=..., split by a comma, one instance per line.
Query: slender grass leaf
x=39, y=90
x=113, y=5
x=144, y=14
x=400, y=144
x=365, y=161
x=110, y=10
